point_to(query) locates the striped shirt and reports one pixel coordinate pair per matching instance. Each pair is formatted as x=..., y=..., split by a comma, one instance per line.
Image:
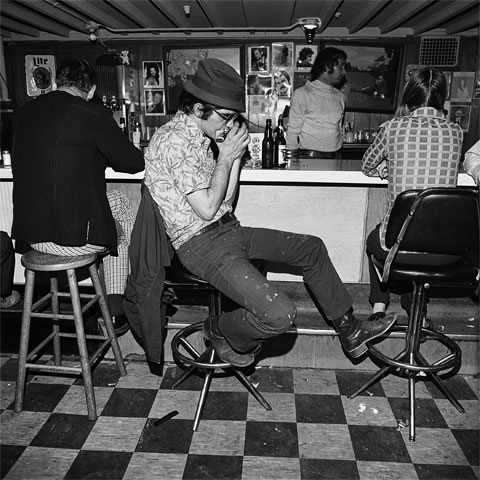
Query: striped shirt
x=419, y=151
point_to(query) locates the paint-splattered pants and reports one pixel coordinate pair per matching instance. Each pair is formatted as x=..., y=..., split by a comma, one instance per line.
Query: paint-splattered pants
x=222, y=257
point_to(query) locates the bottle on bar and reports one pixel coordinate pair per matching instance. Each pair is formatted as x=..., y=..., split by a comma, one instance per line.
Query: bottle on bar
x=280, y=146
x=123, y=126
x=105, y=101
x=267, y=146
x=114, y=105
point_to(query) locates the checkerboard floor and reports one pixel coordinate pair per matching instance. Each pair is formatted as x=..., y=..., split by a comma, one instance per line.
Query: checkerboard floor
x=313, y=431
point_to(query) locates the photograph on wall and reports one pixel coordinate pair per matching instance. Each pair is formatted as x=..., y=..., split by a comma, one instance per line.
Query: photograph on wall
x=372, y=78
x=261, y=105
x=153, y=74
x=259, y=84
x=282, y=84
x=40, y=73
x=448, y=78
x=462, y=86
x=304, y=57
x=183, y=63
x=476, y=93
x=282, y=56
x=258, y=59
x=154, y=101
x=461, y=114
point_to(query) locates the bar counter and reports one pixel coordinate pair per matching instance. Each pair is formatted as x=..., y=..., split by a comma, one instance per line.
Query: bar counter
x=329, y=198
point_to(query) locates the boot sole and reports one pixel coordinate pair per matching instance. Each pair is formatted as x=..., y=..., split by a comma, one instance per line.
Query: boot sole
x=362, y=348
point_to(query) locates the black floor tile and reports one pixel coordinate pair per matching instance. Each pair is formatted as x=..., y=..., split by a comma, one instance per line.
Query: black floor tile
x=317, y=469
x=319, y=408
x=445, y=472
x=226, y=406
x=43, y=397
x=105, y=374
x=174, y=436
x=277, y=380
x=210, y=467
x=348, y=381
x=469, y=441
x=99, y=465
x=9, y=454
x=64, y=431
x=457, y=385
x=192, y=382
x=271, y=439
x=130, y=402
x=427, y=413
x=378, y=444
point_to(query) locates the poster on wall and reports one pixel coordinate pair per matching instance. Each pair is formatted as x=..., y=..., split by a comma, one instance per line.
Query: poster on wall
x=40, y=73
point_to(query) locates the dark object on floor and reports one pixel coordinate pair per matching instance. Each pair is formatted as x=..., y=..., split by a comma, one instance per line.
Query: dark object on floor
x=433, y=237
x=165, y=418
x=120, y=324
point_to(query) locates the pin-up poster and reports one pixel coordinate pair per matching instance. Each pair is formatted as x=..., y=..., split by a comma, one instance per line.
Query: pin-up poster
x=40, y=71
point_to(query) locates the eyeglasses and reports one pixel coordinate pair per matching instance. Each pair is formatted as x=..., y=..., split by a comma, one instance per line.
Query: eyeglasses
x=228, y=117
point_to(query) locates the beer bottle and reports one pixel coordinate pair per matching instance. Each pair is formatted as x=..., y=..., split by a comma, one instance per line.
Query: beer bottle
x=280, y=146
x=267, y=146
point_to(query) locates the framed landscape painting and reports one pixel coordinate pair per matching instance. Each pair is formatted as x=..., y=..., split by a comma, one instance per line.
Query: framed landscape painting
x=182, y=63
x=373, y=76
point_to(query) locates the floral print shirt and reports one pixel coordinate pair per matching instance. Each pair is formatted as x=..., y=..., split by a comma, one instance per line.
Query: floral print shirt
x=179, y=161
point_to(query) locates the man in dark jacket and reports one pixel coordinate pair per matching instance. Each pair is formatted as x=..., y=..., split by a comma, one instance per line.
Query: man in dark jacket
x=62, y=145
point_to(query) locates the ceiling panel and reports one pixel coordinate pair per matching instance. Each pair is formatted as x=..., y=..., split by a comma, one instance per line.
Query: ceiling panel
x=67, y=19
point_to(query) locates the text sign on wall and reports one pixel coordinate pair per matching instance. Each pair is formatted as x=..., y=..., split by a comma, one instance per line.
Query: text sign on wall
x=40, y=71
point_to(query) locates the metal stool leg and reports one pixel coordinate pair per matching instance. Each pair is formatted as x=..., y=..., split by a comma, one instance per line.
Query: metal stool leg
x=203, y=394
x=248, y=385
x=117, y=353
x=82, y=344
x=24, y=340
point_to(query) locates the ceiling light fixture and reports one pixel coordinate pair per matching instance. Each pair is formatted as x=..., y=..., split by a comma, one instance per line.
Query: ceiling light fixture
x=92, y=28
x=310, y=27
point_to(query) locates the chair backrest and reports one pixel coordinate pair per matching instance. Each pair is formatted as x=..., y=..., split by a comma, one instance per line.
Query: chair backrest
x=436, y=220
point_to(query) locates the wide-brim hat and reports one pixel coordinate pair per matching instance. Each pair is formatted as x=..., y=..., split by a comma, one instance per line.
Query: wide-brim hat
x=217, y=83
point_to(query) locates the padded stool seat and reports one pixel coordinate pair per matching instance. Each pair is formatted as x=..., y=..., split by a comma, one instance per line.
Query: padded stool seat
x=34, y=261
x=183, y=344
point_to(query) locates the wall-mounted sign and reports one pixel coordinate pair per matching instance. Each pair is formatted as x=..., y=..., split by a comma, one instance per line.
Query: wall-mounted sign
x=40, y=72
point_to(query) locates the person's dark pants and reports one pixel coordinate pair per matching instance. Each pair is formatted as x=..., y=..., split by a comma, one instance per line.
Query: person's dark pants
x=222, y=257
x=380, y=292
x=7, y=264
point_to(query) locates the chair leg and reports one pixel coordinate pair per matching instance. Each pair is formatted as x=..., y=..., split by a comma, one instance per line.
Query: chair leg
x=117, y=353
x=24, y=340
x=251, y=388
x=203, y=394
x=55, y=305
x=82, y=344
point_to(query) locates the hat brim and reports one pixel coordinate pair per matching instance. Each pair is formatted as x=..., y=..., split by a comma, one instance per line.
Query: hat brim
x=230, y=103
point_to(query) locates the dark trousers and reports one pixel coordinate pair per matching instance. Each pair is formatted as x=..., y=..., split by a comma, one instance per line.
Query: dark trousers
x=222, y=256
x=7, y=264
x=380, y=292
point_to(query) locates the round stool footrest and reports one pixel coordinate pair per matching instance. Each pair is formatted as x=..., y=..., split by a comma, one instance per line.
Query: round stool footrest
x=452, y=362
x=181, y=337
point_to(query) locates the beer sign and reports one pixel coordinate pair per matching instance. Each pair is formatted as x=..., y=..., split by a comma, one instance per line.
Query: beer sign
x=40, y=72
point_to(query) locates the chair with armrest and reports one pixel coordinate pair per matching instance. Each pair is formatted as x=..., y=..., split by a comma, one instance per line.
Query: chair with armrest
x=184, y=347
x=433, y=241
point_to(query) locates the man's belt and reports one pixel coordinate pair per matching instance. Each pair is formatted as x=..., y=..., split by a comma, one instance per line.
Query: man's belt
x=317, y=154
x=229, y=217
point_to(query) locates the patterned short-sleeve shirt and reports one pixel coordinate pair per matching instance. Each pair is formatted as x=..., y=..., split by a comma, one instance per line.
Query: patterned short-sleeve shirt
x=422, y=150
x=179, y=161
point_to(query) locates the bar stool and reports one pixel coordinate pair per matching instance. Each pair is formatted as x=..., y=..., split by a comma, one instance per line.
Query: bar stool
x=433, y=237
x=34, y=261
x=183, y=350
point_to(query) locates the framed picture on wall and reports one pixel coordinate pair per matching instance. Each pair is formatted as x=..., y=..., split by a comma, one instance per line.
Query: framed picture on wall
x=373, y=76
x=462, y=86
x=153, y=74
x=182, y=63
x=461, y=114
x=282, y=56
x=304, y=57
x=154, y=101
x=258, y=59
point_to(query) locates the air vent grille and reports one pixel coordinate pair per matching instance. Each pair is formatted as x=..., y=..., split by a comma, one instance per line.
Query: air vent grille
x=439, y=51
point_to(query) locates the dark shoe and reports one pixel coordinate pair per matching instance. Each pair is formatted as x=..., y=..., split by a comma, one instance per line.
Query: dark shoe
x=155, y=368
x=11, y=300
x=355, y=333
x=120, y=324
x=225, y=352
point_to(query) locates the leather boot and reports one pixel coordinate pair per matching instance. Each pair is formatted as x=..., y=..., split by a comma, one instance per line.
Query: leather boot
x=355, y=333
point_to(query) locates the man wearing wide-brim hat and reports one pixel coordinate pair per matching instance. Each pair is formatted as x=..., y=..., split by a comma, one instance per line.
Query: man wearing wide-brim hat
x=195, y=193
